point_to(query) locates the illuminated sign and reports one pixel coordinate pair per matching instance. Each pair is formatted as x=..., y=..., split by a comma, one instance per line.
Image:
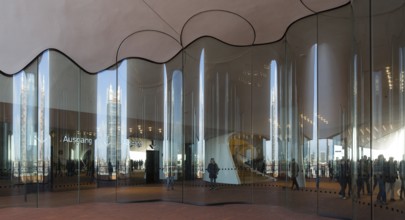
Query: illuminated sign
x=78, y=140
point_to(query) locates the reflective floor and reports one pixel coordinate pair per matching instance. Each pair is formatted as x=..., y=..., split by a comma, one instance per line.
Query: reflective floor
x=166, y=210
x=268, y=194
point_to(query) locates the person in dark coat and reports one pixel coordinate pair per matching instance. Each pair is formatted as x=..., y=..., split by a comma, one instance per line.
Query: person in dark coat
x=402, y=177
x=379, y=172
x=391, y=176
x=363, y=179
x=110, y=170
x=213, y=173
x=294, y=168
x=345, y=178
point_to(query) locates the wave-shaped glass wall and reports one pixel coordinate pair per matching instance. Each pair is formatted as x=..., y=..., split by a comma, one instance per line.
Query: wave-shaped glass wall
x=322, y=107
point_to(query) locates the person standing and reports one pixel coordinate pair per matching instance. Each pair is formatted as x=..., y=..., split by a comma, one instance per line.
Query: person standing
x=170, y=179
x=359, y=180
x=337, y=170
x=379, y=172
x=391, y=177
x=330, y=166
x=213, y=173
x=375, y=178
x=363, y=176
x=345, y=178
x=110, y=170
x=402, y=177
x=294, y=168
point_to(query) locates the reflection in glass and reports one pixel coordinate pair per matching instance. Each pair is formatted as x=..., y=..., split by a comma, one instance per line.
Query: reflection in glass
x=24, y=130
x=44, y=137
x=272, y=148
x=172, y=152
x=108, y=105
x=201, y=126
x=61, y=122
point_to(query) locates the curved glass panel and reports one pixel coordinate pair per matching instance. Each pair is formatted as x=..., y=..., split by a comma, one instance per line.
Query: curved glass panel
x=59, y=123
x=337, y=116
x=271, y=108
x=302, y=54
x=313, y=122
x=88, y=148
x=19, y=139
x=218, y=111
x=173, y=141
x=7, y=149
x=141, y=88
x=386, y=103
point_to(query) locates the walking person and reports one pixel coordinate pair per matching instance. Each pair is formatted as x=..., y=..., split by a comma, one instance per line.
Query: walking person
x=375, y=179
x=364, y=170
x=213, y=173
x=345, y=178
x=294, y=168
x=379, y=172
x=391, y=177
x=359, y=181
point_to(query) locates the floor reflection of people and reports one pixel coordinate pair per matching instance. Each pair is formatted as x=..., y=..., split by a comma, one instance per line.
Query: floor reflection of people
x=402, y=177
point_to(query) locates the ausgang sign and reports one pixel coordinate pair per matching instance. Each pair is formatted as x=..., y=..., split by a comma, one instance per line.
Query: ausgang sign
x=78, y=140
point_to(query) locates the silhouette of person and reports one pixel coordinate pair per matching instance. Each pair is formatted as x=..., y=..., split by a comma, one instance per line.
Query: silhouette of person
x=294, y=168
x=213, y=173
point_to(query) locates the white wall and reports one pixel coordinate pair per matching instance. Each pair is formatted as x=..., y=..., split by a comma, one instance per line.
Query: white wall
x=218, y=148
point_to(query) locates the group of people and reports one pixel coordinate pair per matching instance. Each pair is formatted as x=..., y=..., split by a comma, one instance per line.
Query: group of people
x=381, y=172
x=386, y=173
x=369, y=174
x=71, y=167
x=136, y=165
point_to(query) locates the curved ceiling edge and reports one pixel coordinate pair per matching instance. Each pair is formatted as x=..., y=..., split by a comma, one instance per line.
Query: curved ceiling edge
x=221, y=11
x=316, y=6
x=6, y=70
